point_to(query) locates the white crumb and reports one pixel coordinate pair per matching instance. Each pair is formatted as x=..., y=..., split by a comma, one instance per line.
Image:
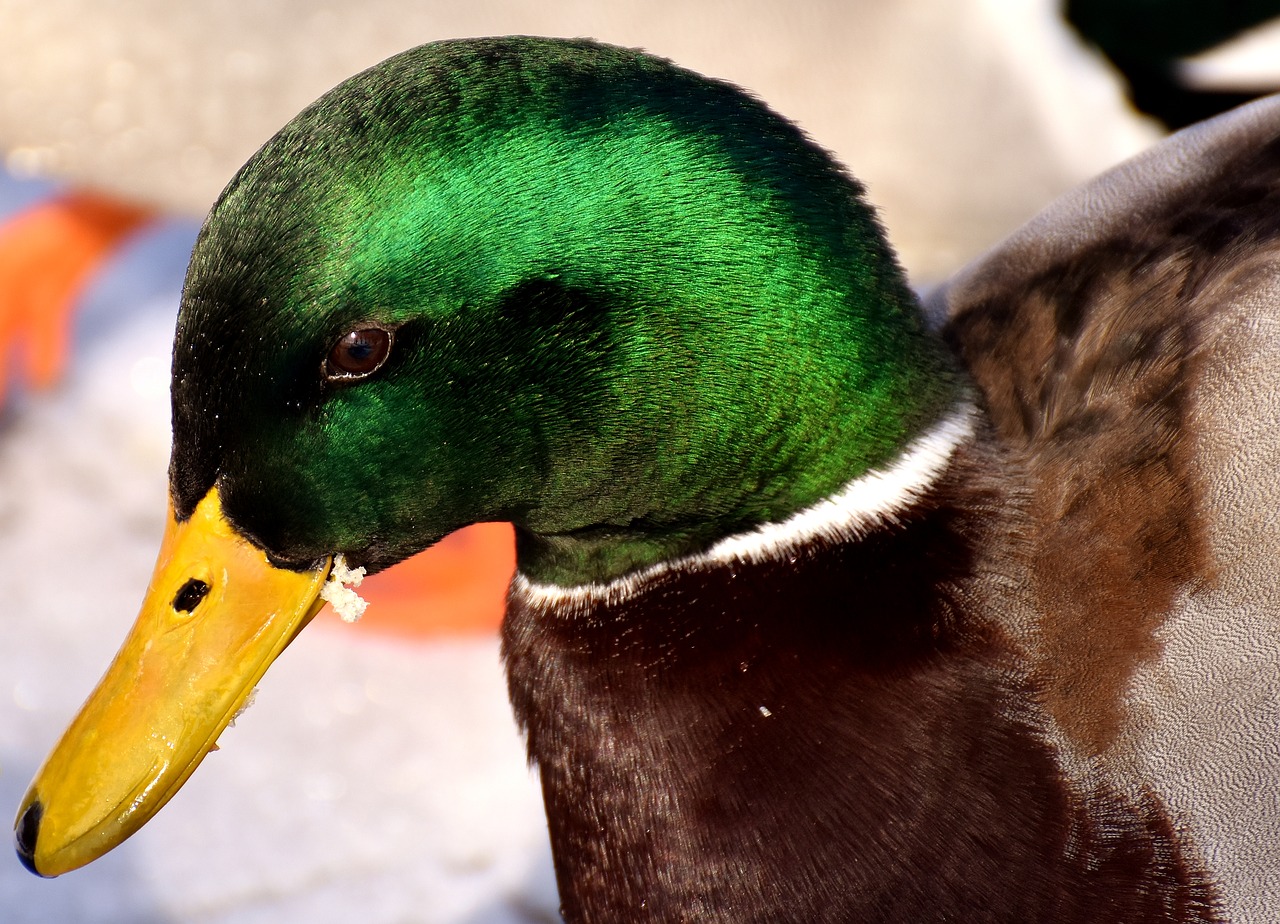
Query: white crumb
x=244, y=707
x=345, y=602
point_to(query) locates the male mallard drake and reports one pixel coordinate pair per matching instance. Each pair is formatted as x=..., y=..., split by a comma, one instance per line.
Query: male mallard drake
x=823, y=612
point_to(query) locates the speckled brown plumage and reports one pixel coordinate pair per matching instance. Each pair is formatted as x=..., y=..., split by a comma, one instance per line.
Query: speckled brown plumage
x=1089, y=368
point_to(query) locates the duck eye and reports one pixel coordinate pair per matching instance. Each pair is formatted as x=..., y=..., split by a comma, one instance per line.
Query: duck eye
x=358, y=353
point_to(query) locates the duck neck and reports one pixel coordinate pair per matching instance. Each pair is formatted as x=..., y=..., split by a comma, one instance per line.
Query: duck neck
x=860, y=506
x=707, y=451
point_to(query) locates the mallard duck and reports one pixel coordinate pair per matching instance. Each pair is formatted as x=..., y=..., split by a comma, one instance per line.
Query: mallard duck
x=829, y=606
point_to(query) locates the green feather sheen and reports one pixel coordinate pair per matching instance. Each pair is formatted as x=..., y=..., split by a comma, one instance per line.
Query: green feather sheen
x=648, y=312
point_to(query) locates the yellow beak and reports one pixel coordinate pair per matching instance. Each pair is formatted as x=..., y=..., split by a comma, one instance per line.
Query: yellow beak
x=216, y=615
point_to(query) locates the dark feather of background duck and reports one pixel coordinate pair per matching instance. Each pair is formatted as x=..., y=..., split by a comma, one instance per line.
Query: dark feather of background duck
x=1149, y=42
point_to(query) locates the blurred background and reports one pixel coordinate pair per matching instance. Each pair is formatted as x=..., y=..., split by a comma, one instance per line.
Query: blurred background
x=379, y=777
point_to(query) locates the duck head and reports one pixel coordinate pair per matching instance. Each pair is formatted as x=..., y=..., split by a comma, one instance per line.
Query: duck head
x=567, y=285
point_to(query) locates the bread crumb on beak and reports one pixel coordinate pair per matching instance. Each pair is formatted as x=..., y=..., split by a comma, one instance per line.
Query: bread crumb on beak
x=345, y=602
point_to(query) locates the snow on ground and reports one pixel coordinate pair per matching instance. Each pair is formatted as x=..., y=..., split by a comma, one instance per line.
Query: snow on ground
x=372, y=781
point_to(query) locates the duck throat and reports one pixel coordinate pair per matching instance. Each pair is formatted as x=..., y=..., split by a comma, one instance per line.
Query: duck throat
x=728, y=471
x=835, y=731
x=859, y=508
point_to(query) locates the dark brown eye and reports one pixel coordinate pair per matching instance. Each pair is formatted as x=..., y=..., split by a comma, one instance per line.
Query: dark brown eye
x=358, y=353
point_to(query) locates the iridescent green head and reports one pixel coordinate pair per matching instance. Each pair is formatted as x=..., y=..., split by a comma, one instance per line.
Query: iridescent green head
x=624, y=306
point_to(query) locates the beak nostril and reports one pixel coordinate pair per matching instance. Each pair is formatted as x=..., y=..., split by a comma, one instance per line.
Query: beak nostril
x=26, y=833
x=189, y=595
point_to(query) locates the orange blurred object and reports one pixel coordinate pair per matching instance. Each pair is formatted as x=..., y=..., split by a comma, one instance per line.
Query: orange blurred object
x=48, y=253
x=456, y=587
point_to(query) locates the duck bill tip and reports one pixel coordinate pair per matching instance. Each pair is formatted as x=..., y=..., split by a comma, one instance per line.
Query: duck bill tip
x=216, y=615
